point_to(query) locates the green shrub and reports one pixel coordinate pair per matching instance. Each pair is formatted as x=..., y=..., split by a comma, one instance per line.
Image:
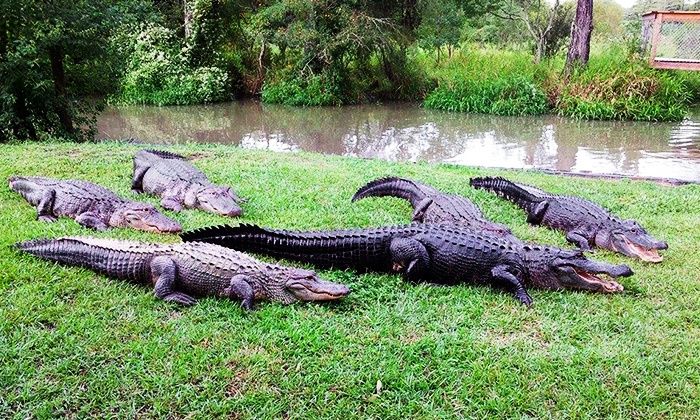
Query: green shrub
x=313, y=90
x=158, y=74
x=616, y=87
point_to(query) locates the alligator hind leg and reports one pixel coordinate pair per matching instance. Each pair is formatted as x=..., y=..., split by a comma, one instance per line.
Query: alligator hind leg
x=421, y=208
x=501, y=272
x=411, y=255
x=240, y=288
x=44, y=208
x=137, y=179
x=164, y=274
x=536, y=213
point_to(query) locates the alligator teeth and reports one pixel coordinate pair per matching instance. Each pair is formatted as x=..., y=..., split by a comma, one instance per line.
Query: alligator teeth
x=644, y=254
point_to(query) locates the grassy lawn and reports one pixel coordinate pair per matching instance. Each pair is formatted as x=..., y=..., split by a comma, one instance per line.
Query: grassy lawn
x=77, y=344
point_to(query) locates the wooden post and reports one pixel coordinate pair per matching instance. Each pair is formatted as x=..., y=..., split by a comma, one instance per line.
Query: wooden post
x=655, y=37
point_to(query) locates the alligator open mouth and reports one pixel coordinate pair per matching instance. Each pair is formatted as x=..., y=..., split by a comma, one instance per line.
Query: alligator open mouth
x=644, y=254
x=589, y=279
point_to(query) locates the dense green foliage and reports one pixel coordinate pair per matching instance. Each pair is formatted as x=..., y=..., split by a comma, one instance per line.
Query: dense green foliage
x=158, y=73
x=75, y=344
x=314, y=52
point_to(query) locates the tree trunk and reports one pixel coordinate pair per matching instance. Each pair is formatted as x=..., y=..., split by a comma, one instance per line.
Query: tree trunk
x=59, y=83
x=581, y=28
x=188, y=18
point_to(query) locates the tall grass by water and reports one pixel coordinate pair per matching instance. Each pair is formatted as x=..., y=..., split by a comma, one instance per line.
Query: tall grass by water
x=76, y=344
x=489, y=82
x=613, y=86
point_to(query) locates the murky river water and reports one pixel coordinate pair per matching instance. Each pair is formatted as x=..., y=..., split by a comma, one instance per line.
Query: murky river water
x=405, y=132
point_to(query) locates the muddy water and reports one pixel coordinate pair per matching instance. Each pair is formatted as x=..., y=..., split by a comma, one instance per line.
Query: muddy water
x=405, y=132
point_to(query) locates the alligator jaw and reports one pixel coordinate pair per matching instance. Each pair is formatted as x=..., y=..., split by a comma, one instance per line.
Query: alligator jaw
x=598, y=283
x=644, y=254
x=311, y=289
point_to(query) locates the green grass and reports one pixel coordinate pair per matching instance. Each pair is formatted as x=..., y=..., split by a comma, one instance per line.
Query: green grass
x=76, y=344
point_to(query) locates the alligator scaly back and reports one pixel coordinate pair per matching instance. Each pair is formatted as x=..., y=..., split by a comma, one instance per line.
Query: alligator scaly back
x=361, y=249
x=165, y=154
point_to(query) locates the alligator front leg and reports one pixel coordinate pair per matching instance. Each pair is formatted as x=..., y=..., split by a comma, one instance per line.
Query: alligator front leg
x=411, y=256
x=421, y=208
x=90, y=220
x=233, y=195
x=579, y=238
x=240, y=287
x=501, y=272
x=172, y=203
x=164, y=275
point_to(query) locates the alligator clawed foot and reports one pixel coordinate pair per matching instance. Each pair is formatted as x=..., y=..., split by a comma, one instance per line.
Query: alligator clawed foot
x=180, y=298
x=524, y=298
x=47, y=218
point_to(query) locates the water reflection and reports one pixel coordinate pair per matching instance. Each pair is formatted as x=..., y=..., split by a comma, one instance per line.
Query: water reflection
x=405, y=132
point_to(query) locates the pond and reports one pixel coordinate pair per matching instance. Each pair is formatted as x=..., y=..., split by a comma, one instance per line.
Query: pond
x=408, y=132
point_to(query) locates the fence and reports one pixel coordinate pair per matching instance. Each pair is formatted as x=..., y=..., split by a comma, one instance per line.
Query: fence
x=672, y=39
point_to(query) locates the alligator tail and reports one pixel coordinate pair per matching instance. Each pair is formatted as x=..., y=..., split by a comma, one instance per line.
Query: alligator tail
x=508, y=190
x=358, y=249
x=395, y=187
x=92, y=253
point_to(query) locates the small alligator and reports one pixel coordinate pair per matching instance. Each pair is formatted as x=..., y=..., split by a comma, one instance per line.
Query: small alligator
x=179, y=184
x=91, y=205
x=433, y=206
x=440, y=254
x=585, y=223
x=180, y=271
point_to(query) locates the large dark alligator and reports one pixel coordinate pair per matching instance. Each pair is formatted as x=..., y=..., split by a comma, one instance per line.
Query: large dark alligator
x=180, y=271
x=179, y=184
x=441, y=254
x=585, y=223
x=91, y=205
x=432, y=206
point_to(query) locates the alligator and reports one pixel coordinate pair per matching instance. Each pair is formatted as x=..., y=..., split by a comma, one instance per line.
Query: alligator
x=91, y=205
x=432, y=206
x=585, y=222
x=179, y=184
x=180, y=271
x=438, y=254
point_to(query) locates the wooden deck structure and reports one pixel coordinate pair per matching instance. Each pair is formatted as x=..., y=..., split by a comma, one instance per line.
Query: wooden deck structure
x=672, y=39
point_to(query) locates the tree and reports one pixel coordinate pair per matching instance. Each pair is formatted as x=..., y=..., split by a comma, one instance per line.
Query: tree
x=539, y=19
x=580, y=44
x=40, y=42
